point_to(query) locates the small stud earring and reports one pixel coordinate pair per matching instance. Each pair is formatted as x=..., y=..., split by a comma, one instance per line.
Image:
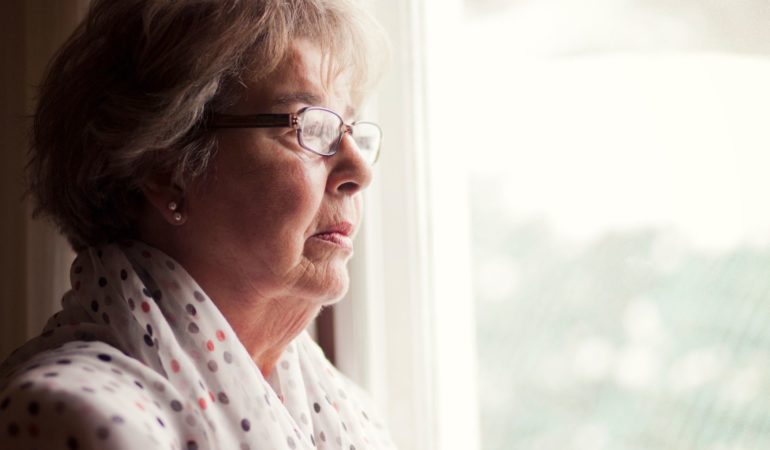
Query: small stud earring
x=174, y=206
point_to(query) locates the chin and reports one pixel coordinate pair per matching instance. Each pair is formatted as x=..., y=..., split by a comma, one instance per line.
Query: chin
x=334, y=287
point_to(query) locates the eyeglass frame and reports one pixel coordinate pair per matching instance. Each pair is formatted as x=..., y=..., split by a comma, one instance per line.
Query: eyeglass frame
x=287, y=120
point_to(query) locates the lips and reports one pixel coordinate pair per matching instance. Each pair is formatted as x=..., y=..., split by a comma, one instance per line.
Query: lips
x=337, y=234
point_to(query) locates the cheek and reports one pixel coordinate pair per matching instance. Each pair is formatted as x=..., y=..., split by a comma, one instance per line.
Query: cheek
x=281, y=207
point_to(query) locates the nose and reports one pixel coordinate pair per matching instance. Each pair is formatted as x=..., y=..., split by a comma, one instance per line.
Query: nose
x=349, y=171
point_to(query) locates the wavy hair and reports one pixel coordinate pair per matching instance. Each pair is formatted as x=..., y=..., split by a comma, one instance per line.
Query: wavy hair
x=125, y=96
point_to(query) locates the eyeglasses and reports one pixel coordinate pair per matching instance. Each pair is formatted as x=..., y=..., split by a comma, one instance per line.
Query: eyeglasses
x=319, y=130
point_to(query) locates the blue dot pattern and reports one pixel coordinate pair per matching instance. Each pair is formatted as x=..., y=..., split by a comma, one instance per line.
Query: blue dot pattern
x=139, y=357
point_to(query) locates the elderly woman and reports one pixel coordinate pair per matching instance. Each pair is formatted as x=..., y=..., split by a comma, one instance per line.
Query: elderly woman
x=204, y=159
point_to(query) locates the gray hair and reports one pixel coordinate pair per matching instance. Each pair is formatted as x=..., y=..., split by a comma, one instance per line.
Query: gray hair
x=125, y=97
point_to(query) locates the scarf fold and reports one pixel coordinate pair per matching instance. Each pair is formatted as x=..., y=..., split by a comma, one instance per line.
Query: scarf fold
x=143, y=303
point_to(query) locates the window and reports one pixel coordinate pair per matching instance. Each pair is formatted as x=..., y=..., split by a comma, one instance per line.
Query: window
x=567, y=244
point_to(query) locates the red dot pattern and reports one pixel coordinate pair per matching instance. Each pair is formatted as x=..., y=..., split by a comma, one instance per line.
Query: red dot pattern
x=197, y=383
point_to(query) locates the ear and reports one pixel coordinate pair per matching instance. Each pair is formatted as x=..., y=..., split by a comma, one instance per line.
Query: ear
x=166, y=197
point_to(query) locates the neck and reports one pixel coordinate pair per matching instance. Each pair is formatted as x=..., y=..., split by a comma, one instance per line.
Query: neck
x=266, y=326
x=264, y=323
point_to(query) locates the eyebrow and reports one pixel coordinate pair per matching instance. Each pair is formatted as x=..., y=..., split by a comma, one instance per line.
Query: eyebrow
x=307, y=98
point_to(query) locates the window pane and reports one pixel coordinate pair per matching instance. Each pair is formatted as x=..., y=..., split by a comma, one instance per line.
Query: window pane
x=621, y=238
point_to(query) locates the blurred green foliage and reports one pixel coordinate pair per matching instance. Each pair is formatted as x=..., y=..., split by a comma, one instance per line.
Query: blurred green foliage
x=632, y=340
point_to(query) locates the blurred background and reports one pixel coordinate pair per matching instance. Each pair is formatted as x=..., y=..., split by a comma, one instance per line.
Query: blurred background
x=617, y=161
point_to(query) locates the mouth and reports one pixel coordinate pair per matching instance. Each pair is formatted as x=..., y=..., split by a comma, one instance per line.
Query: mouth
x=337, y=234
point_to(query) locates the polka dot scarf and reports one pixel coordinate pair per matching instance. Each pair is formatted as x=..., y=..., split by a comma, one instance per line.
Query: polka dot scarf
x=140, y=356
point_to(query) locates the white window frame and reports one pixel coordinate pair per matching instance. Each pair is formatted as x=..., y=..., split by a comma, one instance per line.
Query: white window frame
x=405, y=331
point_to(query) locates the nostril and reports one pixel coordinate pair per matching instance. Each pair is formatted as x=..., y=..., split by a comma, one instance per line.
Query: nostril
x=349, y=187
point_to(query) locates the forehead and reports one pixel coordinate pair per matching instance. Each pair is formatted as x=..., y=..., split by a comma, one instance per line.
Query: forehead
x=302, y=78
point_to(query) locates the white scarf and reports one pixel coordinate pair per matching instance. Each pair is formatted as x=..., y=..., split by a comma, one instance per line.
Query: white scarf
x=141, y=302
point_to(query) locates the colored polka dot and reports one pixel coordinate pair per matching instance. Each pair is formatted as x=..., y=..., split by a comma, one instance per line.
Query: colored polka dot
x=198, y=296
x=210, y=345
x=245, y=424
x=102, y=282
x=176, y=405
x=192, y=445
x=193, y=328
x=202, y=403
x=290, y=441
x=222, y=397
x=94, y=306
x=13, y=430
x=33, y=408
x=212, y=365
x=227, y=357
x=175, y=366
x=123, y=274
x=145, y=307
x=104, y=357
x=148, y=340
x=102, y=433
x=220, y=335
x=316, y=407
x=131, y=304
x=190, y=309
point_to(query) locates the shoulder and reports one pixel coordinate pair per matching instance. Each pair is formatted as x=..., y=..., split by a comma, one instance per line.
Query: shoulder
x=83, y=396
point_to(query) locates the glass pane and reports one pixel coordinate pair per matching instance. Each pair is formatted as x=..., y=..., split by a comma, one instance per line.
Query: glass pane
x=621, y=236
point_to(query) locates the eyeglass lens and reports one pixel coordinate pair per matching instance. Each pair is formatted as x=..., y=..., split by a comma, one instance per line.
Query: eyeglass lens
x=320, y=132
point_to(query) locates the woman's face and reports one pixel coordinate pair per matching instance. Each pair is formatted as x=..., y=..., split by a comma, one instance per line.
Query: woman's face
x=270, y=217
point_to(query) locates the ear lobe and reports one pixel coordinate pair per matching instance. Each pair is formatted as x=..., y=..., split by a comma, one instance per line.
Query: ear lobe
x=167, y=198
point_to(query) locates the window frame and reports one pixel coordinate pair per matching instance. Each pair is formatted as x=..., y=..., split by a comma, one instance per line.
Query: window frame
x=405, y=331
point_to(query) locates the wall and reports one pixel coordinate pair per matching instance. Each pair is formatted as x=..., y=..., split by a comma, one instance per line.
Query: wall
x=34, y=259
